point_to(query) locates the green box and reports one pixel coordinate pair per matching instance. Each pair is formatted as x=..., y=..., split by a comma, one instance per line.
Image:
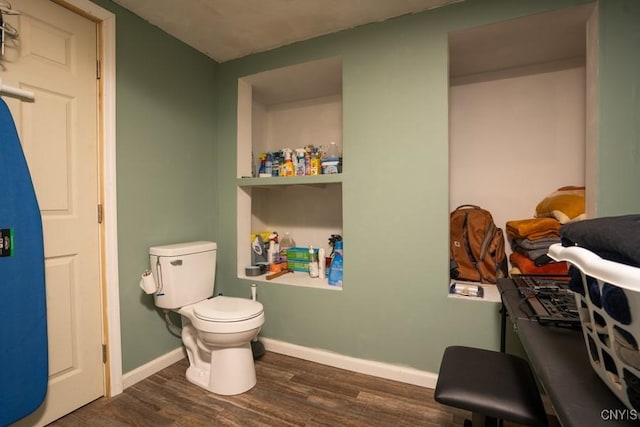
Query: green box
x=299, y=254
x=296, y=265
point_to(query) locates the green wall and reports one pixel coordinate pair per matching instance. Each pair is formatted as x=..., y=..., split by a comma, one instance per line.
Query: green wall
x=393, y=307
x=176, y=152
x=166, y=176
x=619, y=112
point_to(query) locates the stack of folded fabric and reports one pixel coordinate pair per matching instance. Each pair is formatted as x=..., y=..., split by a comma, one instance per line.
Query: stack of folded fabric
x=530, y=240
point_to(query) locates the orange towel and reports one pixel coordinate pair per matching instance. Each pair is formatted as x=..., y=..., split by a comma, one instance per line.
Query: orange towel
x=534, y=228
x=527, y=266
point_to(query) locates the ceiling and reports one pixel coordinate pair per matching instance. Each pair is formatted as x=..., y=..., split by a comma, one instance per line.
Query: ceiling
x=229, y=29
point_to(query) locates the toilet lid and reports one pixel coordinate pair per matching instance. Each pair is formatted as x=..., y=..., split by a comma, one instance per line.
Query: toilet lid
x=227, y=309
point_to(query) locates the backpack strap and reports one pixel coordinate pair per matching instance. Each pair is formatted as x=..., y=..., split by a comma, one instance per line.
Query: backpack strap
x=468, y=206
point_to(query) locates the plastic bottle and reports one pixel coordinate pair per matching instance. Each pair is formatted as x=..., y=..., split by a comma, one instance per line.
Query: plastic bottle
x=313, y=262
x=315, y=163
x=307, y=162
x=322, y=273
x=300, y=168
x=275, y=164
x=335, y=271
x=262, y=169
x=286, y=243
x=333, y=153
x=268, y=164
x=331, y=159
x=271, y=252
x=287, y=165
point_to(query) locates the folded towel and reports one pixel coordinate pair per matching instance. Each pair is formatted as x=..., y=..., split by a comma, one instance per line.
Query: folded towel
x=533, y=228
x=532, y=254
x=527, y=266
x=532, y=245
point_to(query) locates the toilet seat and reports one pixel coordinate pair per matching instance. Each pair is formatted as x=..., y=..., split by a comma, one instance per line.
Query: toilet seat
x=227, y=309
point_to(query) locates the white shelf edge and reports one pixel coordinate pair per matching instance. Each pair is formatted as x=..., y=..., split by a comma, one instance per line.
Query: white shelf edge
x=297, y=278
x=309, y=180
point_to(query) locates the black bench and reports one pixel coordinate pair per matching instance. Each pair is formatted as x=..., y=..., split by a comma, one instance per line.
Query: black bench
x=492, y=385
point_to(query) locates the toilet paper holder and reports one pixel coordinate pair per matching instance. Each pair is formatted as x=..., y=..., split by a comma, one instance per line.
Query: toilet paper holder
x=148, y=283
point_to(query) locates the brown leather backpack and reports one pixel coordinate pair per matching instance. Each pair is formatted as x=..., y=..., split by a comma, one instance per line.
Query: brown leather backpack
x=477, y=248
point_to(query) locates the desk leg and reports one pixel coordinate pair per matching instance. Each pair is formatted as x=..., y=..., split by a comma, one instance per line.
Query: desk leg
x=503, y=326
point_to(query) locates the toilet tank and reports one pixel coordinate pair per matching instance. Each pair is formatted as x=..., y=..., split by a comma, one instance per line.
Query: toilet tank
x=184, y=273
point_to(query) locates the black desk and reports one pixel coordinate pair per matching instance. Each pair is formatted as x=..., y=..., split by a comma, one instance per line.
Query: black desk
x=559, y=358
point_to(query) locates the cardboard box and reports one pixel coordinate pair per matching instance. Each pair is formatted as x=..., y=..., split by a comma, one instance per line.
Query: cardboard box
x=298, y=265
x=299, y=254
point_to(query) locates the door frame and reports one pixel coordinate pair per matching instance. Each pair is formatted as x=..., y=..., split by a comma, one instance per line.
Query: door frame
x=106, y=50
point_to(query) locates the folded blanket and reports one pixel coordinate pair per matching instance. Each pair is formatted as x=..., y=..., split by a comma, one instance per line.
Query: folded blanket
x=533, y=249
x=527, y=266
x=532, y=245
x=613, y=238
x=533, y=228
x=532, y=254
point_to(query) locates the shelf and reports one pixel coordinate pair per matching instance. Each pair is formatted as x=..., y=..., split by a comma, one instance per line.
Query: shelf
x=297, y=278
x=290, y=180
x=295, y=106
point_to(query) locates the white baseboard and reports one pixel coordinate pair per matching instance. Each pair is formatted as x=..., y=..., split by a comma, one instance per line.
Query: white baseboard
x=150, y=368
x=382, y=370
x=378, y=369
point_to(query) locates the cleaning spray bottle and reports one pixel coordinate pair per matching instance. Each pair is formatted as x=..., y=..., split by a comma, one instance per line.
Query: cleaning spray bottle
x=273, y=251
x=287, y=166
x=262, y=170
x=315, y=163
x=335, y=271
x=300, y=167
x=307, y=159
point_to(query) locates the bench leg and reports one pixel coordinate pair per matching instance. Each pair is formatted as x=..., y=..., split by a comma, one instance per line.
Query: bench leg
x=479, y=420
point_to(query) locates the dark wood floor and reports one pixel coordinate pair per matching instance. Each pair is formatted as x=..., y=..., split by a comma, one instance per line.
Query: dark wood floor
x=289, y=392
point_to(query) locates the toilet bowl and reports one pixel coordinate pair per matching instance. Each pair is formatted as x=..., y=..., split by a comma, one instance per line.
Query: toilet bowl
x=217, y=335
x=216, y=332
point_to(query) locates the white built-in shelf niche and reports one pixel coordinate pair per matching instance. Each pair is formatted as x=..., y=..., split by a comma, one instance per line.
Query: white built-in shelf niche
x=520, y=100
x=289, y=107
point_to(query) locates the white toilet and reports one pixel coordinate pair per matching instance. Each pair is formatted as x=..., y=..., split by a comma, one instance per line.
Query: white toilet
x=216, y=332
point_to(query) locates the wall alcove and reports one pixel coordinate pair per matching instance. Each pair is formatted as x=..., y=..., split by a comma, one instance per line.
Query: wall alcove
x=521, y=111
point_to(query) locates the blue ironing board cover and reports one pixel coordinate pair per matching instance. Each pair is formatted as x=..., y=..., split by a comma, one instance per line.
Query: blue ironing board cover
x=23, y=329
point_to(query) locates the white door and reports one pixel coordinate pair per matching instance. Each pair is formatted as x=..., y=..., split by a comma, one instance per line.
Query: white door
x=54, y=56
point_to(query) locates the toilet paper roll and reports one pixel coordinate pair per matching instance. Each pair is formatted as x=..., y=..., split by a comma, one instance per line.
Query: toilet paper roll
x=148, y=283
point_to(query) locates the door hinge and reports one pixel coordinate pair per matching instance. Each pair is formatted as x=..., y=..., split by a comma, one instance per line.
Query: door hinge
x=104, y=353
x=98, y=70
x=100, y=213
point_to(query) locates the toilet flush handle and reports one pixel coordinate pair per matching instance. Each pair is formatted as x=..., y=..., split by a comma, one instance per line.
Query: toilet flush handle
x=176, y=262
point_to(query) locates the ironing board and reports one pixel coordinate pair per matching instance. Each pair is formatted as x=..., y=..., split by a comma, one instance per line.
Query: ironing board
x=23, y=329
